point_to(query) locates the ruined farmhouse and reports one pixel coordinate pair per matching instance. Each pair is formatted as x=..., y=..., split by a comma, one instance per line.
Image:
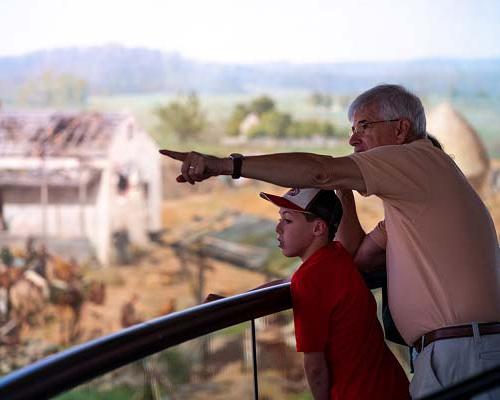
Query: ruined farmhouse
x=77, y=182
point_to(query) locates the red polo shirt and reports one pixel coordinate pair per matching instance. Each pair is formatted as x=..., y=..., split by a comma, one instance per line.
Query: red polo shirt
x=335, y=313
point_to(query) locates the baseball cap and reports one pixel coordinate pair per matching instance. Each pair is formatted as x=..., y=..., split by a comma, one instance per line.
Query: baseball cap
x=323, y=203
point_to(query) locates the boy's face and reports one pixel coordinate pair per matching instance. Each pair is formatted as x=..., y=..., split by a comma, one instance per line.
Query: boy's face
x=295, y=233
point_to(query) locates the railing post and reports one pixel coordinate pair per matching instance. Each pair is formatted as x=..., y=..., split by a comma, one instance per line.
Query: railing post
x=254, y=358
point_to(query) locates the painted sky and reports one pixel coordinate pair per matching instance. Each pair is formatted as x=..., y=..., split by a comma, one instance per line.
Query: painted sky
x=257, y=31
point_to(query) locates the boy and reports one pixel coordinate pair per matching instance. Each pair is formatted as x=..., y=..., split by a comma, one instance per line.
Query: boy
x=336, y=327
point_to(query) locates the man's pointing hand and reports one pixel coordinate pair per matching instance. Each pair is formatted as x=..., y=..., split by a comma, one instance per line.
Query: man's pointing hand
x=197, y=167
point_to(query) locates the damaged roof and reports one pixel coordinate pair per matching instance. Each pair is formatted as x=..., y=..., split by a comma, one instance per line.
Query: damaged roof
x=60, y=177
x=57, y=134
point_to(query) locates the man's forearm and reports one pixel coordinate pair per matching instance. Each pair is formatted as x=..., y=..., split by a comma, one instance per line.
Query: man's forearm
x=304, y=170
x=289, y=169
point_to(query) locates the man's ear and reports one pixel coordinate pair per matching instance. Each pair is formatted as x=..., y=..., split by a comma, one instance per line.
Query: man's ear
x=320, y=227
x=404, y=131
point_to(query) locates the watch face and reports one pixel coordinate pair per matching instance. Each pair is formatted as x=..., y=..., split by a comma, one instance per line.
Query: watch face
x=237, y=163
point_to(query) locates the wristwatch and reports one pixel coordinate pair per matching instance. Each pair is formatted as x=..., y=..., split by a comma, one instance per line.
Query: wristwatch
x=237, y=163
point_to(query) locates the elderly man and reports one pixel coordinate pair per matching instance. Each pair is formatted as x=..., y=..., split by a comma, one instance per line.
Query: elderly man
x=437, y=239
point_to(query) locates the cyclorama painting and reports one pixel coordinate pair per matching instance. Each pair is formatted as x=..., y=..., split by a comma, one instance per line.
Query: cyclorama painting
x=96, y=235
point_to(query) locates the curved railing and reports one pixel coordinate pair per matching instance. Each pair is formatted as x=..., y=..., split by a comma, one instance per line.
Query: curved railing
x=63, y=371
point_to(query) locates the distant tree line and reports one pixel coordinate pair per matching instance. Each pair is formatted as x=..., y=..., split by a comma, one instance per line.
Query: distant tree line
x=183, y=117
x=319, y=99
x=115, y=69
x=274, y=123
x=53, y=89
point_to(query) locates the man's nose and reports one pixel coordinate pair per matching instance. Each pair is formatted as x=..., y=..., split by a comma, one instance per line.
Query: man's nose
x=354, y=139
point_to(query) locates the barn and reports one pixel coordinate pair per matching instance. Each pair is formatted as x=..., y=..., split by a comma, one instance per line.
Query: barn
x=78, y=182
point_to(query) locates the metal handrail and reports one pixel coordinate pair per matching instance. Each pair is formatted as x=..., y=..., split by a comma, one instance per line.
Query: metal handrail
x=65, y=370
x=61, y=372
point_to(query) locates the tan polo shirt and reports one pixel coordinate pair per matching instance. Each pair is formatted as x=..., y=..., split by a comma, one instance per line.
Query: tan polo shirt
x=441, y=246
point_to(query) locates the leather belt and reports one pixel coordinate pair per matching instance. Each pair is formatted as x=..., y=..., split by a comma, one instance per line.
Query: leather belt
x=459, y=331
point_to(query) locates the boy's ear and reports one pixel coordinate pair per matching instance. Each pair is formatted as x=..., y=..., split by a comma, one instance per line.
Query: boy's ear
x=320, y=227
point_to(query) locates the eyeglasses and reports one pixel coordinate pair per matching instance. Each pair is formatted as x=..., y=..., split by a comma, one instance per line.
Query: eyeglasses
x=363, y=125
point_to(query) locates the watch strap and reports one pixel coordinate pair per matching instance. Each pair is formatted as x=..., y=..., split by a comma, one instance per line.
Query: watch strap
x=237, y=164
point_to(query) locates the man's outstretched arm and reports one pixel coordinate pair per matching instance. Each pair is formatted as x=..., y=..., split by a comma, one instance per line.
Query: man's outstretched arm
x=283, y=169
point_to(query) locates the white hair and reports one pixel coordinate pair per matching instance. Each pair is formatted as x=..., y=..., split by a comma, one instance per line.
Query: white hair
x=393, y=102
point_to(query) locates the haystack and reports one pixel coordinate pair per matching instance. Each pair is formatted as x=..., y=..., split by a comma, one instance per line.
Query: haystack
x=461, y=142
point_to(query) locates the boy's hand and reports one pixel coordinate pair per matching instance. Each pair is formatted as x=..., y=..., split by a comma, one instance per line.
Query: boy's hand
x=269, y=284
x=212, y=297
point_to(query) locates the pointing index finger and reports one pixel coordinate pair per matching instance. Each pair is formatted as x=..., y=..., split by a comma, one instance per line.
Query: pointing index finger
x=176, y=155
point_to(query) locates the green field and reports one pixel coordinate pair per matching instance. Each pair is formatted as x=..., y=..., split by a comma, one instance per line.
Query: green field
x=482, y=113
